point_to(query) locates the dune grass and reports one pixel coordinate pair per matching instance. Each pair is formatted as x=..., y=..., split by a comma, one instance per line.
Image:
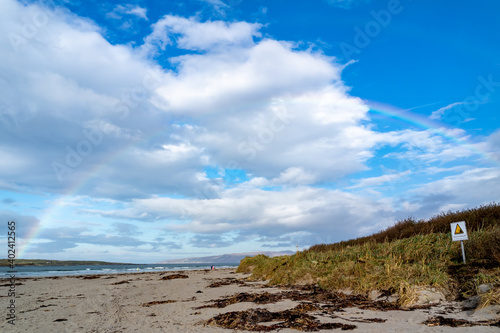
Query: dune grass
x=410, y=257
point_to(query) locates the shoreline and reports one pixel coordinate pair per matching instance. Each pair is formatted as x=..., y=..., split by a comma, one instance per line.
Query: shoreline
x=50, y=271
x=97, y=275
x=185, y=300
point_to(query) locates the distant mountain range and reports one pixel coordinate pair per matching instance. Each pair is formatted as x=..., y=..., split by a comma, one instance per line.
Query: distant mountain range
x=232, y=258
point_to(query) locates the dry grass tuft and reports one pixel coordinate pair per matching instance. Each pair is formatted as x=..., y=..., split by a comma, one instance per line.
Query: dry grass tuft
x=492, y=297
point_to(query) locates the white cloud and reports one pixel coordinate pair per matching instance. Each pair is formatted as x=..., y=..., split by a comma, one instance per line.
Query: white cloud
x=269, y=213
x=238, y=106
x=492, y=147
x=138, y=11
x=64, y=78
x=128, y=9
x=438, y=114
x=470, y=188
x=191, y=34
x=433, y=145
x=251, y=101
x=376, y=181
x=294, y=176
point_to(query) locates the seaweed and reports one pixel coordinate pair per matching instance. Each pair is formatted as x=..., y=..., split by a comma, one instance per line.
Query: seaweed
x=296, y=318
x=311, y=298
x=264, y=298
x=119, y=282
x=334, y=301
x=157, y=302
x=11, y=284
x=225, y=282
x=442, y=321
x=174, y=276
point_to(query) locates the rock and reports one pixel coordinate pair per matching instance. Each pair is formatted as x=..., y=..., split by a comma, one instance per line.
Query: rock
x=471, y=302
x=491, y=312
x=484, y=288
x=429, y=296
x=374, y=295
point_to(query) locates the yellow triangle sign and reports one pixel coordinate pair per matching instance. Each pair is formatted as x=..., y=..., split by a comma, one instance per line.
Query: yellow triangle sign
x=458, y=230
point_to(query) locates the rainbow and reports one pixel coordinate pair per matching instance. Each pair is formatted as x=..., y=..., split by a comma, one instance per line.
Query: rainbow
x=374, y=108
x=427, y=124
x=58, y=203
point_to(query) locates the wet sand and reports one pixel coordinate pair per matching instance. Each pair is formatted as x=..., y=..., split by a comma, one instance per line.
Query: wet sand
x=186, y=301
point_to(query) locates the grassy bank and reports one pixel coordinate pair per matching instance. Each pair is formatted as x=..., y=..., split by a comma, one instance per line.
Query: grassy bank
x=401, y=259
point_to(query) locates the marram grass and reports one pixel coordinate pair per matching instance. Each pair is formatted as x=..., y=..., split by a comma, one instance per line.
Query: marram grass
x=402, y=266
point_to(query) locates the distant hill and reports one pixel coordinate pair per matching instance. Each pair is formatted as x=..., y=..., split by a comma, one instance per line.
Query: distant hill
x=232, y=258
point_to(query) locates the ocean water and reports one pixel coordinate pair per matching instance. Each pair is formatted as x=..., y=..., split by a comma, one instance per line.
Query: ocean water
x=42, y=271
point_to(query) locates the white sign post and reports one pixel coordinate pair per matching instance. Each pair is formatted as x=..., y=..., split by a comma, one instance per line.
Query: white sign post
x=459, y=233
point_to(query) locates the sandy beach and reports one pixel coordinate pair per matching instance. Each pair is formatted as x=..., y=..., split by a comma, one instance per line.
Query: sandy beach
x=186, y=301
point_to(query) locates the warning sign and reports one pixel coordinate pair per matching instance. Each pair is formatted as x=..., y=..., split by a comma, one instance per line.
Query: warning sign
x=458, y=231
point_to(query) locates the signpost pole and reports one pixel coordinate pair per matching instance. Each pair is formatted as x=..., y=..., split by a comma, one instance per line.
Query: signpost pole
x=459, y=233
x=463, y=251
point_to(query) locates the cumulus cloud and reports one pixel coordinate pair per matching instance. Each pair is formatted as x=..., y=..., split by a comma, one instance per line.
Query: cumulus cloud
x=191, y=34
x=236, y=106
x=65, y=78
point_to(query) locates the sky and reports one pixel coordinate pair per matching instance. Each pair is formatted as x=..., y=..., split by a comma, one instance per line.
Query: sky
x=142, y=131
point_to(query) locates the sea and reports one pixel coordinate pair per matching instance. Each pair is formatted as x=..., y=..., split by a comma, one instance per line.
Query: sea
x=44, y=271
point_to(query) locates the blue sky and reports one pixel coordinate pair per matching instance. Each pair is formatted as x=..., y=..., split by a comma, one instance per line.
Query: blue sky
x=149, y=130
